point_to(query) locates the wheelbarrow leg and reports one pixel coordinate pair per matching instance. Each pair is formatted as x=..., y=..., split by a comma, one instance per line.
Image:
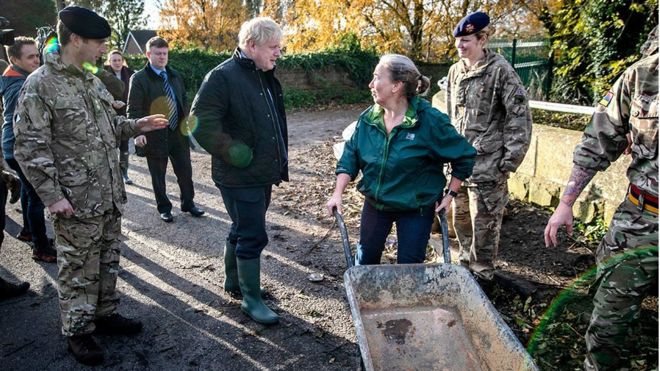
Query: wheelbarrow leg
x=446, y=253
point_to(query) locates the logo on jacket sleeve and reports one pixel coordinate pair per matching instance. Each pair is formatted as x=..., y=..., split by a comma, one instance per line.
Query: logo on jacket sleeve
x=605, y=101
x=410, y=136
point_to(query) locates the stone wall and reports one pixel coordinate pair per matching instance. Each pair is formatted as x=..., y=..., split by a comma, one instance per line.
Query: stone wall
x=298, y=78
x=541, y=177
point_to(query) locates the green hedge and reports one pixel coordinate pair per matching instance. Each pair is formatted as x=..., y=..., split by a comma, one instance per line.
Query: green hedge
x=194, y=64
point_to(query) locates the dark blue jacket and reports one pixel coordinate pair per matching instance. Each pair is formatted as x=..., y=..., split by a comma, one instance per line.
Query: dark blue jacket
x=12, y=81
x=240, y=120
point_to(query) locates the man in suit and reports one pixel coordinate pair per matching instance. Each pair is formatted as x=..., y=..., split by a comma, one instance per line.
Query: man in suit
x=158, y=88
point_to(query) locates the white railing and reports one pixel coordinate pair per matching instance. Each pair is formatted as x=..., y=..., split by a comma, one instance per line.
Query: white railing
x=560, y=107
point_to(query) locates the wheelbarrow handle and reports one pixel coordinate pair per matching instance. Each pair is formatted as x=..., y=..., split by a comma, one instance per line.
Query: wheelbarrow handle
x=344, y=238
x=442, y=218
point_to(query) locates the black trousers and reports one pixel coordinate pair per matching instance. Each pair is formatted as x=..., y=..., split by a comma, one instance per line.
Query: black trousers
x=179, y=155
x=123, y=157
x=32, y=208
x=3, y=200
x=247, y=209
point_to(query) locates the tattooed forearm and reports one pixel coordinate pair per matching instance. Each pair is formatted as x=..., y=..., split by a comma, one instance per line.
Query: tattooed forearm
x=579, y=179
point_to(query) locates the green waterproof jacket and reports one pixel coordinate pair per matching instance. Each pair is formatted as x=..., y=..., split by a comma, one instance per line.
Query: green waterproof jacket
x=403, y=171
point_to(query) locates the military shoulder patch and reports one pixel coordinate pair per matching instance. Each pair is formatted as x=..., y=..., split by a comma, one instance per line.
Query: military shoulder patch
x=605, y=101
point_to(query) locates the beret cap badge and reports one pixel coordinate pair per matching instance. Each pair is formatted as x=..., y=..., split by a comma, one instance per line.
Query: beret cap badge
x=471, y=23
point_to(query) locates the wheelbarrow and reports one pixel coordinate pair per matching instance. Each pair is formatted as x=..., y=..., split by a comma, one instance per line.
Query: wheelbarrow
x=427, y=317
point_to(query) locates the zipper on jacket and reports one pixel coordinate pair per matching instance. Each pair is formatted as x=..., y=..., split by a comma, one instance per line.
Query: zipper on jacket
x=386, y=153
x=275, y=129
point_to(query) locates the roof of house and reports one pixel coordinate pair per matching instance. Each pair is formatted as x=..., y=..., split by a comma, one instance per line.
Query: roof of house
x=140, y=37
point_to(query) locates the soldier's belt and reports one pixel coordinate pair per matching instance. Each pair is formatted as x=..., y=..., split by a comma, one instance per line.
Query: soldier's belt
x=643, y=200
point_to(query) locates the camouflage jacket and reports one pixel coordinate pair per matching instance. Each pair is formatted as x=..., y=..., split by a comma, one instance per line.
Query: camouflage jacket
x=631, y=106
x=66, y=138
x=487, y=103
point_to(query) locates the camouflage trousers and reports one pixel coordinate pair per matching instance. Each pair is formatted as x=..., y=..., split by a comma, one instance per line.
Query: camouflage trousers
x=88, y=262
x=477, y=219
x=627, y=261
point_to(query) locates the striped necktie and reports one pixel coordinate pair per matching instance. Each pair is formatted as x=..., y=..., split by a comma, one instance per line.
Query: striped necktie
x=171, y=101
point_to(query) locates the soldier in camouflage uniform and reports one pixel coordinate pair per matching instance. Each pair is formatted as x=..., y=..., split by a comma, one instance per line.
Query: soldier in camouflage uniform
x=66, y=143
x=487, y=103
x=627, y=257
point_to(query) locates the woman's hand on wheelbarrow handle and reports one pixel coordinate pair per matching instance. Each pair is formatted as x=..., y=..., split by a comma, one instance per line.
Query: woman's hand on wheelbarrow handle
x=443, y=205
x=333, y=203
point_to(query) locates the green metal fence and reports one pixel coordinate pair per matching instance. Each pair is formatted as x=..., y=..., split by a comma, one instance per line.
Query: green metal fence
x=532, y=62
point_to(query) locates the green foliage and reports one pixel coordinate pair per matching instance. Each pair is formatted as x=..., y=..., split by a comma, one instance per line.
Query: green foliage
x=347, y=55
x=194, y=64
x=296, y=98
x=594, y=41
x=27, y=15
x=123, y=16
x=592, y=232
x=334, y=94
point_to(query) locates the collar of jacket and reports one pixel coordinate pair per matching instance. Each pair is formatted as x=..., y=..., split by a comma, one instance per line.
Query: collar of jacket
x=376, y=116
x=248, y=63
x=480, y=67
x=15, y=71
x=54, y=61
x=125, y=71
x=170, y=72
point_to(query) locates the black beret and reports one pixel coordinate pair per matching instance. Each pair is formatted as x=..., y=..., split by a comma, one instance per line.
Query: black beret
x=85, y=22
x=471, y=23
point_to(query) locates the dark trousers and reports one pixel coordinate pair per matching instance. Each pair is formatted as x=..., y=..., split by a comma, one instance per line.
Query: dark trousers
x=179, y=155
x=3, y=200
x=247, y=210
x=413, y=229
x=123, y=157
x=32, y=208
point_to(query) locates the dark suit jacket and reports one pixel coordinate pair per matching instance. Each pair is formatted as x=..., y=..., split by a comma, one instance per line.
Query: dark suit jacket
x=146, y=96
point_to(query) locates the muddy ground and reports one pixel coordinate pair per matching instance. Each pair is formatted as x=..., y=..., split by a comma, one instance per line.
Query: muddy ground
x=172, y=276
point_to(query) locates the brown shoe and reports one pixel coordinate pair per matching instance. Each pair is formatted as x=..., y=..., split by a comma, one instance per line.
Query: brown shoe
x=116, y=324
x=24, y=236
x=47, y=254
x=85, y=349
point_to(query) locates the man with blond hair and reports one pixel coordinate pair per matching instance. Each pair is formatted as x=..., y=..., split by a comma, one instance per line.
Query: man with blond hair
x=241, y=122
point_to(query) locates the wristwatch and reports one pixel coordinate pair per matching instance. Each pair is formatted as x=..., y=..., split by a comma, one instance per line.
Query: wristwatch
x=450, y=192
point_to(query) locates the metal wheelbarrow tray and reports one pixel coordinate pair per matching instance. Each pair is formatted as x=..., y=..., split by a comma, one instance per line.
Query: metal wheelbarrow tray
x=428, y=317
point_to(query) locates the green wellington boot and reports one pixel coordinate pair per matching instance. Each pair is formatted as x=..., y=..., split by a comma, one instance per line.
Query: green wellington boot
x=249, y=278
x=231, y=272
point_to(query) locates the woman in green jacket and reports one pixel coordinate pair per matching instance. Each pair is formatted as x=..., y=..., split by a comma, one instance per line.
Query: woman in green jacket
x=401, y=144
